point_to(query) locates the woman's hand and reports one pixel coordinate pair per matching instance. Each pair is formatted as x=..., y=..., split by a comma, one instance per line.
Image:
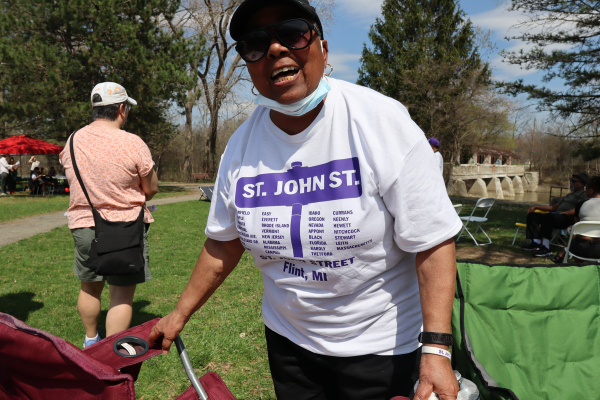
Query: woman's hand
x=531, y=209
x=168, y=327
x=436, y=376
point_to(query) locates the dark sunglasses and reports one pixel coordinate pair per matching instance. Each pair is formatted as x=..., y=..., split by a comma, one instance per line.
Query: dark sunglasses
x=295, y=34
x=576, y=181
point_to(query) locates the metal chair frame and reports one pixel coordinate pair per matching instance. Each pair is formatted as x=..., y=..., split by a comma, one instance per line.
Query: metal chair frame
x=583, y=228
x=485, y=202
x=555, y=238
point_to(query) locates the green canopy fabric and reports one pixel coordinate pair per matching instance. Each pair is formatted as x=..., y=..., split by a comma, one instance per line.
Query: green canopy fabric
x=528, y=332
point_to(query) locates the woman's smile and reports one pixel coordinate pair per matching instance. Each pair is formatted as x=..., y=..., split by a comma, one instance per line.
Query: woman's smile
x=284, y=74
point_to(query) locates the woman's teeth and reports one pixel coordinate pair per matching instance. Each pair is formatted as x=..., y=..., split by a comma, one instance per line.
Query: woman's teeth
x=284, y=78
x=287, y=74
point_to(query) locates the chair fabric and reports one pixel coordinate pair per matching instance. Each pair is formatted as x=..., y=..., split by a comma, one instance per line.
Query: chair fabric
x=584, y=228
x=528, y=332
x=486, y=204
x=37, y=365
x=207, y=191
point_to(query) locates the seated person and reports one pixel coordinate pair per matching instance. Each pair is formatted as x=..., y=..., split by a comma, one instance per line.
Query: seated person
x=540, y=226
x=37, y=181
x=50, y=180
x=589, y=210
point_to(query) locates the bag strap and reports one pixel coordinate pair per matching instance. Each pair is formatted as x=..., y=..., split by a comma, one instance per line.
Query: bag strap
x=71, y=148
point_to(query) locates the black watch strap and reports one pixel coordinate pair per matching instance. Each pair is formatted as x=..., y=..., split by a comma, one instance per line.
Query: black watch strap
x=445, y=339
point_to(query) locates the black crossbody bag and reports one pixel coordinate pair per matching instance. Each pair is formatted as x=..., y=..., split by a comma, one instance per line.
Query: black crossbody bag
x=118, y=248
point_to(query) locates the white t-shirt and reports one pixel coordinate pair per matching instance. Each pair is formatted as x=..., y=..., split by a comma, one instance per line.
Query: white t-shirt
x=34, y=165
x=4, y=165
x=333, y=217
x=590, y=210
x=440, y=160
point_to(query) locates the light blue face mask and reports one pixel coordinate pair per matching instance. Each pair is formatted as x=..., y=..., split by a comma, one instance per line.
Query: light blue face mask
x=300, y=107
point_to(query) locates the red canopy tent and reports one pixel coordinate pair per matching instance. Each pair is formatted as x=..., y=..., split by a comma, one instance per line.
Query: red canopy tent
x=25, y=144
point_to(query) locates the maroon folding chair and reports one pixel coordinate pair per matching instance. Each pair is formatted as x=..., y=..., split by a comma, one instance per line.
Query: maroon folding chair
x=37, y=365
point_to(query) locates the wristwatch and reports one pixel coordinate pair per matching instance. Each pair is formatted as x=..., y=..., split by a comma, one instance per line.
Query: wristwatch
x=445, y=339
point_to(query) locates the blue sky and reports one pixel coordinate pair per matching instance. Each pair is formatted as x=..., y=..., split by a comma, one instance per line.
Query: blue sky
x=354, y=18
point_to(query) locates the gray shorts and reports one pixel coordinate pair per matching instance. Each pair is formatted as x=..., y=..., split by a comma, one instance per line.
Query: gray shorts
x=83, y=238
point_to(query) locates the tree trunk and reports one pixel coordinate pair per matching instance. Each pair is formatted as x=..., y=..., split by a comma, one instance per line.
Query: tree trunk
x=211, y=145
x=188, y=126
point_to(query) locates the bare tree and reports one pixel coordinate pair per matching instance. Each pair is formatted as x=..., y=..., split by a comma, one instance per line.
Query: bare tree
x=222, y=70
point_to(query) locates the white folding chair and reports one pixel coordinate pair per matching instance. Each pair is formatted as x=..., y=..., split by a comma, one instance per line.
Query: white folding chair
x=457, y=208
x=207, y=191
x=584, y=228
x=486, y=204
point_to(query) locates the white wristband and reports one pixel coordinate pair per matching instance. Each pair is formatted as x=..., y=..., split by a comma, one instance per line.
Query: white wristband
x=436, y=350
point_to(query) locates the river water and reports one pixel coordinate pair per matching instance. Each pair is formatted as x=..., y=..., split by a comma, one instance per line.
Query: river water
x=530, y=197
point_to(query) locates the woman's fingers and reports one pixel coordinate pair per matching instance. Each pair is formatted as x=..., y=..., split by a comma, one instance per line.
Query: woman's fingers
x=168, y=328
x=424, y=392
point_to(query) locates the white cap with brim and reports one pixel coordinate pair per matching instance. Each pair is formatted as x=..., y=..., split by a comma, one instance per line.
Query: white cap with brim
x=111, y=93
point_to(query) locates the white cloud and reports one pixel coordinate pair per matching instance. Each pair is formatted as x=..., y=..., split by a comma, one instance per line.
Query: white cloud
x=345, y=66
x=502, y=23
x=362, y=9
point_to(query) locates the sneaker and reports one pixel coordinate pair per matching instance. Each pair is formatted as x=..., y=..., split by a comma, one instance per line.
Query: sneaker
x=87, y=343
x=533, y=246
x=557, y=259
x=543, y=251
x=2, y=194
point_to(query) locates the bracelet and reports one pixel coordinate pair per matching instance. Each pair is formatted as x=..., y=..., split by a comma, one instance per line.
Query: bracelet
x=436, y=350
x=445, y=339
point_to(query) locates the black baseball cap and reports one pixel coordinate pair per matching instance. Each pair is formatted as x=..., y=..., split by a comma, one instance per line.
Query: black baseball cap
x=250, y=7
x=583, y=176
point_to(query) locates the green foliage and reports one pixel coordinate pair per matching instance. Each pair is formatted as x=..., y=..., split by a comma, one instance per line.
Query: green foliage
x=574, y=25
x=53, y=52
x=587, y=150
x=424, y=54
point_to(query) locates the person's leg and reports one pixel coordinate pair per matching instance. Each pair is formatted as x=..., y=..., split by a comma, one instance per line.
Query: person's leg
x=122, y=289
x=298, y=374
x=120, y=310
x=4, y=177
x=533, y=225
x=88, y=306
x=562, y=221
x=372, y=377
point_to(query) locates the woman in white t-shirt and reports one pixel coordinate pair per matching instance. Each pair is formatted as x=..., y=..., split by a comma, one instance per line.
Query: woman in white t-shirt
x=589, y=210
x=337, y=195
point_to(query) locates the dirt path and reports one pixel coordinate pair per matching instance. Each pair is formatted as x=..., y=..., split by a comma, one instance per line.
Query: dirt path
x=494, y=256
x=13, y=231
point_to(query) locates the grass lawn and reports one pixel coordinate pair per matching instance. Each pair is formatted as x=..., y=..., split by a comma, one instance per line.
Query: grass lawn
x=501, y=229
x=21, y=204
x=226, y=335
x=38, y=287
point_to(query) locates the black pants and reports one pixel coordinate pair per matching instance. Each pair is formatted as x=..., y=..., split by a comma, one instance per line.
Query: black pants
x=299, y=374
x=11, y=183
x=585, y=248
x=540, y=226
x=4, y=177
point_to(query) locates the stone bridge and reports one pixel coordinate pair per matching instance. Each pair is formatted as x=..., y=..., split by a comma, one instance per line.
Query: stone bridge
x=483, y=180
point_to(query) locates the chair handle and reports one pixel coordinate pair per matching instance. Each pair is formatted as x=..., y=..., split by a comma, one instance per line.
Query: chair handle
x=189, y=370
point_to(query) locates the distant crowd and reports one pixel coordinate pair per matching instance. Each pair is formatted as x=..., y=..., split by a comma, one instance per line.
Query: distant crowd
x=38, y=181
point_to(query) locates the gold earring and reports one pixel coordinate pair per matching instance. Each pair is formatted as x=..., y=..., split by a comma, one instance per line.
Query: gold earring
x=252, y=90
x=330, y=71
